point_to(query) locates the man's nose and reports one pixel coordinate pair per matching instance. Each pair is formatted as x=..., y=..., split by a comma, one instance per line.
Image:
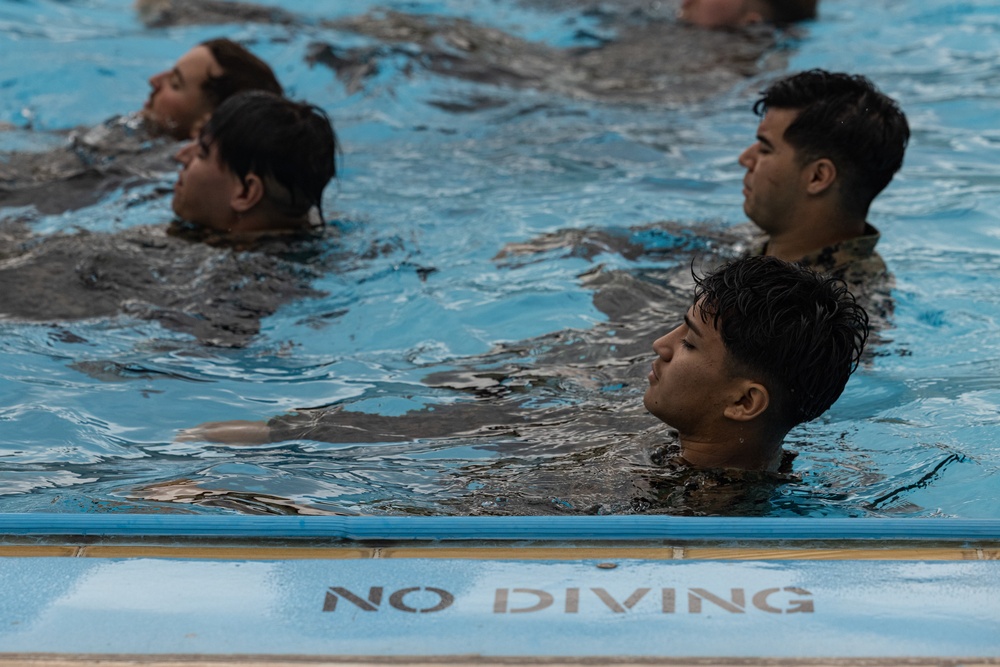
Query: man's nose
x=156, y=81
x=664, y=348
x=746, y=158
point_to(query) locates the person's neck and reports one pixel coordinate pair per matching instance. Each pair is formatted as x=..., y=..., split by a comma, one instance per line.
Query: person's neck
x=260, y=222
x=744, y=452
x=821, y=231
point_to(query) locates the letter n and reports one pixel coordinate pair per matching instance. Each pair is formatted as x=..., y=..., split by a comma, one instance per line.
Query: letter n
x=612, y=603
x=336, y=592
x=696, y=595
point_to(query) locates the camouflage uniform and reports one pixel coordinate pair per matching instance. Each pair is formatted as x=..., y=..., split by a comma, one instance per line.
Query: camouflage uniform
x=856, y=263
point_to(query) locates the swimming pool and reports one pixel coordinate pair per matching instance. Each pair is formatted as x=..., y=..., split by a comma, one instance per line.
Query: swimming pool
x=439, y=174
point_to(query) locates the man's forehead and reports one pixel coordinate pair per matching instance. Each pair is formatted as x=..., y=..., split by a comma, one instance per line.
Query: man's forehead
x=198, y=64
x=208, y=144
x=702, y=315
x=776, y=120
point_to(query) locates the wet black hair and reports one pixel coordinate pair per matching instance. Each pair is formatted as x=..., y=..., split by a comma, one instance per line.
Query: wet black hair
x=843, y=117
x=241, y=70
x=798, y=333
x=286, y=143
x=784, y=12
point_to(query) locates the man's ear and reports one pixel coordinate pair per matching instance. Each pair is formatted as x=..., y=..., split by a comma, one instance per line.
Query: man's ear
x=248, y=196
x=757, y=11
x=751, y=403
x=821, y=175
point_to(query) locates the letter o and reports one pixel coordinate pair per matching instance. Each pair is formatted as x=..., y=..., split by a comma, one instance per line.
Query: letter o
x=396, y=600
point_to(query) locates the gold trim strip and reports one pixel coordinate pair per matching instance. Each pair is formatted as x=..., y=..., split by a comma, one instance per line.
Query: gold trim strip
x=494, y=553
x=60, y=660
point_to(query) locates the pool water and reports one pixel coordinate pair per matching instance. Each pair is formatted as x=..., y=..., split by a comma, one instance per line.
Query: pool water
x=439, y=173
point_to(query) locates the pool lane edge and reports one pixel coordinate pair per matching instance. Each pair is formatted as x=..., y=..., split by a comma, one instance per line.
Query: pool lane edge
x=242, y=537
x=505, y=529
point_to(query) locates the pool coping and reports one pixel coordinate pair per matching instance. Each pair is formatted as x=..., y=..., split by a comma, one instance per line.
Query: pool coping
x=242, y=537
x=574, y=544
x=533, y=528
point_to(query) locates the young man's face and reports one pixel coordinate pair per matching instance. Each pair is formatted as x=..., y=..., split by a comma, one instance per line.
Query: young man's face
x=690, y=385
x=776, y=180
x=205, y=187
x=177, y=104
x=715, y=13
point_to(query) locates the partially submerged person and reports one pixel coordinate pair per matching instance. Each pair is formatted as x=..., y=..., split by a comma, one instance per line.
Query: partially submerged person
x=703, y=13
x=254, y=179
x=717, y=14
x=827, y=145
x=119, y=151
x=166, y=13
x=765, y=346
x=638, y=42
x=183, y=97
x=642, y=54
x=259, y=165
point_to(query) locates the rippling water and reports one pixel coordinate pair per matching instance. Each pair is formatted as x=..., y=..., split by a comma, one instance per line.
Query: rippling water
x=439, y=174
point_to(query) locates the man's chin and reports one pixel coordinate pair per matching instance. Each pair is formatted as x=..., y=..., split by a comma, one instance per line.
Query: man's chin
x=153, y=126
x=157, y=128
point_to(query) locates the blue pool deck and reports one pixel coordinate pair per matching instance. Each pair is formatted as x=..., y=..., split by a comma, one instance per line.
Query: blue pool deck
x=222, y=590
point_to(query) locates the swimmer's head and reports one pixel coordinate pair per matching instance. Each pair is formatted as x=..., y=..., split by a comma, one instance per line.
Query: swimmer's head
x=799, y=333
x=260, y=163
x=765, y=346
x=183, y=97
x=734, y=13
x=845, y=119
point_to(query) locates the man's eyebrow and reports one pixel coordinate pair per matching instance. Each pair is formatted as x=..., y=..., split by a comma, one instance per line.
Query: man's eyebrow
x=764, y=140
x=691, y=325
